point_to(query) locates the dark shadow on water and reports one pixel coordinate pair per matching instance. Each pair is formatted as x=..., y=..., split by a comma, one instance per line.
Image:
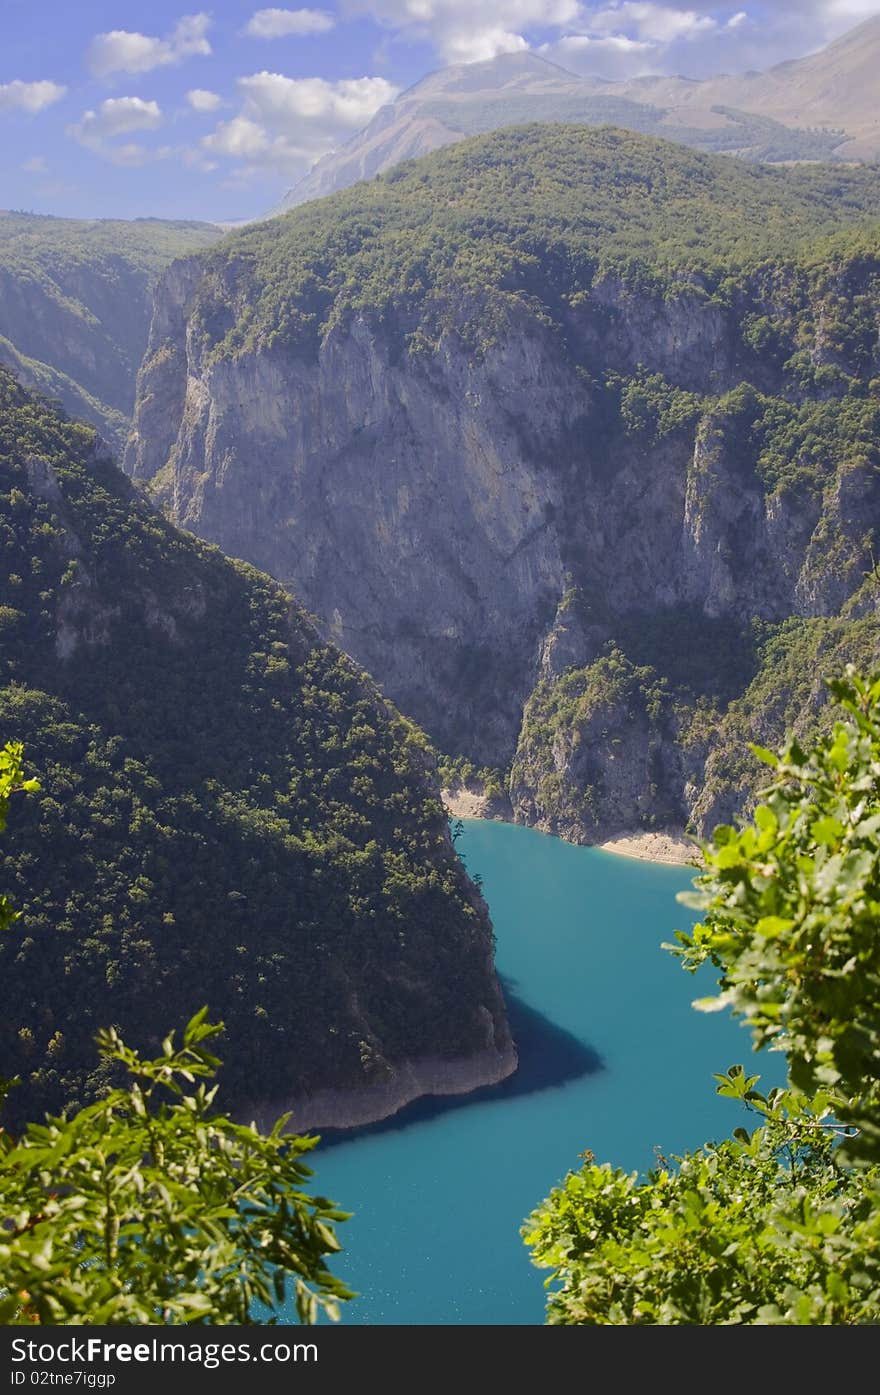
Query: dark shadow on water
x=549, y=1056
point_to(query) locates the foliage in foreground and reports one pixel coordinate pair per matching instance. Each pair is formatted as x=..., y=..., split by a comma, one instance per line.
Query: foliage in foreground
x=775, y=1225
x=147, y=1207
x=792, y=907
x=756, y=1229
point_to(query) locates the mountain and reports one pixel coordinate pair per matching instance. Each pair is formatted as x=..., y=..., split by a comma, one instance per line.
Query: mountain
x=570, y=436
x=75, y=301
x=816, y=108
x=836, y=87
x=230, y=814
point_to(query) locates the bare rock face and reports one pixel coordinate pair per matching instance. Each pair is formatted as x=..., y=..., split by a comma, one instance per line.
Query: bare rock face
x=434, y=507
x=404, y=502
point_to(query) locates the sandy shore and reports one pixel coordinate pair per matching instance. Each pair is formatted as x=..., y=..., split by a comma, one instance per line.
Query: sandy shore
x=645, y=847
x=462, y=804
x=654, y=847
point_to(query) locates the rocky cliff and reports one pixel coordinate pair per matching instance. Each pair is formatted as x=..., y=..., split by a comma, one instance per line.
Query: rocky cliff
x=569, y=437
x=230, y=814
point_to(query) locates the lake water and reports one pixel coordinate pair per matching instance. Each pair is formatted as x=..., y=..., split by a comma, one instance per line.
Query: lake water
x=599, y=1006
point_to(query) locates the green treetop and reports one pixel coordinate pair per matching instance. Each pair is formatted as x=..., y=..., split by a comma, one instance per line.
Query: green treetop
x=780, y=1224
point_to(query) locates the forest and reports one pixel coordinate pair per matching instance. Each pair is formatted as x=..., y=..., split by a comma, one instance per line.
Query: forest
x=230, y=813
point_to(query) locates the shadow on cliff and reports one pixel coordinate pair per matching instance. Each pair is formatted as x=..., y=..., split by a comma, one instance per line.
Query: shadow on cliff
x=549, y=1056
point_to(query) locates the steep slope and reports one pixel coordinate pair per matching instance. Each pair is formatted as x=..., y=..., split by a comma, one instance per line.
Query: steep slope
x=536, y=399
x=75, y=300
x=816, y=108
x=230, y=814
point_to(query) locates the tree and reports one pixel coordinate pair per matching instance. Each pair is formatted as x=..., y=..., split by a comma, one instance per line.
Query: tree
x=12, y=781
x=791, y=906
x=149, y=1207
x=780, y=1224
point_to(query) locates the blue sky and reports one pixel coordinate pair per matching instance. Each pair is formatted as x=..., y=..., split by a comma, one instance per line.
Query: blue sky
x=119, y=108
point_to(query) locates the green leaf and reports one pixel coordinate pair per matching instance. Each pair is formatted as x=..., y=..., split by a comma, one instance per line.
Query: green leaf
x=770, y=927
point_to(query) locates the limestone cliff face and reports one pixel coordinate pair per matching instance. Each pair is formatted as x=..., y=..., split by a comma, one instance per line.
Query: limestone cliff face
x=406, y=502
x=434, y=507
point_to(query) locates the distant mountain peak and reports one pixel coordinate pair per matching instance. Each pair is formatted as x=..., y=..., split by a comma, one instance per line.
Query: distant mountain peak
x=819, y=107
x=489, y=74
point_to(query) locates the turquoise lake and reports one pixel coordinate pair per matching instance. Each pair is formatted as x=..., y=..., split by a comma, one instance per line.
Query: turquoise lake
x=439, y=1200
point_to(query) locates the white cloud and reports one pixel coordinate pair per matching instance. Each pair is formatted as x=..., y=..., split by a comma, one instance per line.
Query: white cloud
x=612, y=56
x=36, y=165
x=660, y=23
x=195, y=160
x=280, y=24
x=29, y=96
x=463, y=31
x=481, y=44
x=133, y=155
x=287, y=123
x=238, y=139
x=120, y=116
x=337, y=106
x=510, y=13
x=124, y=51
x=694, y=37
x=851, y=11
x=115, y=117
x=200, y=99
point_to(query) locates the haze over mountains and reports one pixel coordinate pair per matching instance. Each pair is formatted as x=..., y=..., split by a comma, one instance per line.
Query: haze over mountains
x=837, y=87
x=821, y=107
x=76, y=298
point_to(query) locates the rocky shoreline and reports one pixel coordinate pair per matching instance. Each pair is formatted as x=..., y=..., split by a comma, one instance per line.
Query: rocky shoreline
x=668, y=847
x=401, y=1084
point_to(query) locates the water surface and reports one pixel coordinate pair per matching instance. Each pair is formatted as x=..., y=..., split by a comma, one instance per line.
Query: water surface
x=439, y=1200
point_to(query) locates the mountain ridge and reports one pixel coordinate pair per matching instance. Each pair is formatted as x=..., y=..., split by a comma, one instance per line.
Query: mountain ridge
x=837, y=85
x=568, y=434
x=769, y=116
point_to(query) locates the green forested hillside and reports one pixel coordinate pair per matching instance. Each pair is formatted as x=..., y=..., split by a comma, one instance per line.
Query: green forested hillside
x=532, y=213
x=230, y=814
x=75, y=304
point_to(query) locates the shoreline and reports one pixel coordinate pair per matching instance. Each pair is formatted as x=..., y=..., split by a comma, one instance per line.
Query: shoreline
x=464, y=804
x=403, y=1083
x=669, y=849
